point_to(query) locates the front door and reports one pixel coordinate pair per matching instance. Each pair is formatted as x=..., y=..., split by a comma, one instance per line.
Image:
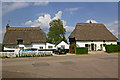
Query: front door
x=92, y=47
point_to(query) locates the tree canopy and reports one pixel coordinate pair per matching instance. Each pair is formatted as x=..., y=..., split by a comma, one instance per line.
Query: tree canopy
x=56, y=31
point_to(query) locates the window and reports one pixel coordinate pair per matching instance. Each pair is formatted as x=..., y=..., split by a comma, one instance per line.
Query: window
x=9, y=47
x=19, y=41
x=41, y=47
x=50, y=47
x=62, y=46
x=86, y=45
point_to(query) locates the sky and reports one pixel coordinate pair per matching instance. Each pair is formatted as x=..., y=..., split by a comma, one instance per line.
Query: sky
x=34, y=14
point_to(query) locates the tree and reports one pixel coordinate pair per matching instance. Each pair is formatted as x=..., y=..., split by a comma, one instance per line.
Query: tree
x=56, y=31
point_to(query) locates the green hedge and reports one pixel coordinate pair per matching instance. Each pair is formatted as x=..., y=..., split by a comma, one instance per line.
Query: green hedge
x=112, y=48
x=81, y=50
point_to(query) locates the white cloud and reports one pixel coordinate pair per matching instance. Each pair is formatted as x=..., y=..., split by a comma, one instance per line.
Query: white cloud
x=13, y=6
x=71, y=10
x=113, y=27
x=43, y=21
x=40, y=14
x=93, y=21
x=58, y=15
x=8, y=7
x=41, y=3
x=69, y=28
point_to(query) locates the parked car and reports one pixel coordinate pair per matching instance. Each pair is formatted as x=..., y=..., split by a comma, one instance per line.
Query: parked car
x=31, y=49
x=60, y=51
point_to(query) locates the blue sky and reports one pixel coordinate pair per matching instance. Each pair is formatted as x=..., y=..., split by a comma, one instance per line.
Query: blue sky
x=33, y=14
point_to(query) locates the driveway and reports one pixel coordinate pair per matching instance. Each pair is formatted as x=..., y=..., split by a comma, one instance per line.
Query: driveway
x=69, y=66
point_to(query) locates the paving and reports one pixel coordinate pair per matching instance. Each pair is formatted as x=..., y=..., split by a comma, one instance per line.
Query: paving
x=99, y=65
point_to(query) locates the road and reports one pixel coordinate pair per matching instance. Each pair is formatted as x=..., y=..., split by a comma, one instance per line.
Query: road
x=69, y=66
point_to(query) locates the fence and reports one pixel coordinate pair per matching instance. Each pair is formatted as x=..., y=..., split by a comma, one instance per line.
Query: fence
x=36, y=52
x=11, y=54
x=7, y=54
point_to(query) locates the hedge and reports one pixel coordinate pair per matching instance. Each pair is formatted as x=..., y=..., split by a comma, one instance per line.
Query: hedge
x=112, y=48
x=81, y=50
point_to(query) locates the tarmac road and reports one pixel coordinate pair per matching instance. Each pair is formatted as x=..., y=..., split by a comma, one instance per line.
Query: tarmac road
x=70, y=66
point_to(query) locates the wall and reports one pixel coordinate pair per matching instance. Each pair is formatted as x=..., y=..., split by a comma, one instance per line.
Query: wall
x=49, y=44
x=82, y=43
x=38, y=45
x=33, y=45
x=63, y=43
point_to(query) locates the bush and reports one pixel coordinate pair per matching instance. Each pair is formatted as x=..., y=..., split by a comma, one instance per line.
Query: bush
x=81, y=50
x=112, y=48
x=48, y=54
x=3, y=56
x=73, y=47
x=99, y=50
x=16, y=55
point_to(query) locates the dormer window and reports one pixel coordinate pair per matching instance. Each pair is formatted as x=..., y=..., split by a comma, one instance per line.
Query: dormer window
x=19, y=41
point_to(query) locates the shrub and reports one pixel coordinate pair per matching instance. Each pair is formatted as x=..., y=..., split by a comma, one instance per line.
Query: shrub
x=81, y=50
x=101, y=46
x=16, y=55
x=99, y=50
x=3, y=56
x=48, y=54
x=73, y=46
x=112, y=48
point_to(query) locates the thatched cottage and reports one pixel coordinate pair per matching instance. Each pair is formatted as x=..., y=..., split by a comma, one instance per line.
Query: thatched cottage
x=24, y=38
x=92, y=35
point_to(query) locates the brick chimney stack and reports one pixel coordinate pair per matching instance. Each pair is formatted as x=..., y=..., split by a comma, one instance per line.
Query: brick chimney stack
x=7, y=27
x=90, y=22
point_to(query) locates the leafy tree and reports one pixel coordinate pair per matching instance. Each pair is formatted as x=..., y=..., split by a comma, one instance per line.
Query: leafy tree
x=56, y=31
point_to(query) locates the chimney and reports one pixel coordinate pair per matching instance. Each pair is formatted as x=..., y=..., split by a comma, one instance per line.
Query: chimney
x=90, y=22
x=7, y=27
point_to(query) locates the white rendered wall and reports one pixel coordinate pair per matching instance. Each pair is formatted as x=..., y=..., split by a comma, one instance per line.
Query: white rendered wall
x=38, y=45
x=82, y=43
x=63, y=43
x=10, y=47
x=33, y=45
x=49, y=44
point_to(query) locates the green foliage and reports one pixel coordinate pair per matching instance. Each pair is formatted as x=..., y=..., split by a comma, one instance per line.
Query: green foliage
x=56, y=31
x=16, y=55
x=73, y=47
x=48, y=55
x=101, y=46
x=99, y=50
x=33, y=55
x=81, y=50
x=112, y=48
x=29, y=55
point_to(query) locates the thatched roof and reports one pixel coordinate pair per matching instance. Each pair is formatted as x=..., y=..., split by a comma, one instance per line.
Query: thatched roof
x=27, y=34
x=59, y=42
x=0, y=47
x=94, y=31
